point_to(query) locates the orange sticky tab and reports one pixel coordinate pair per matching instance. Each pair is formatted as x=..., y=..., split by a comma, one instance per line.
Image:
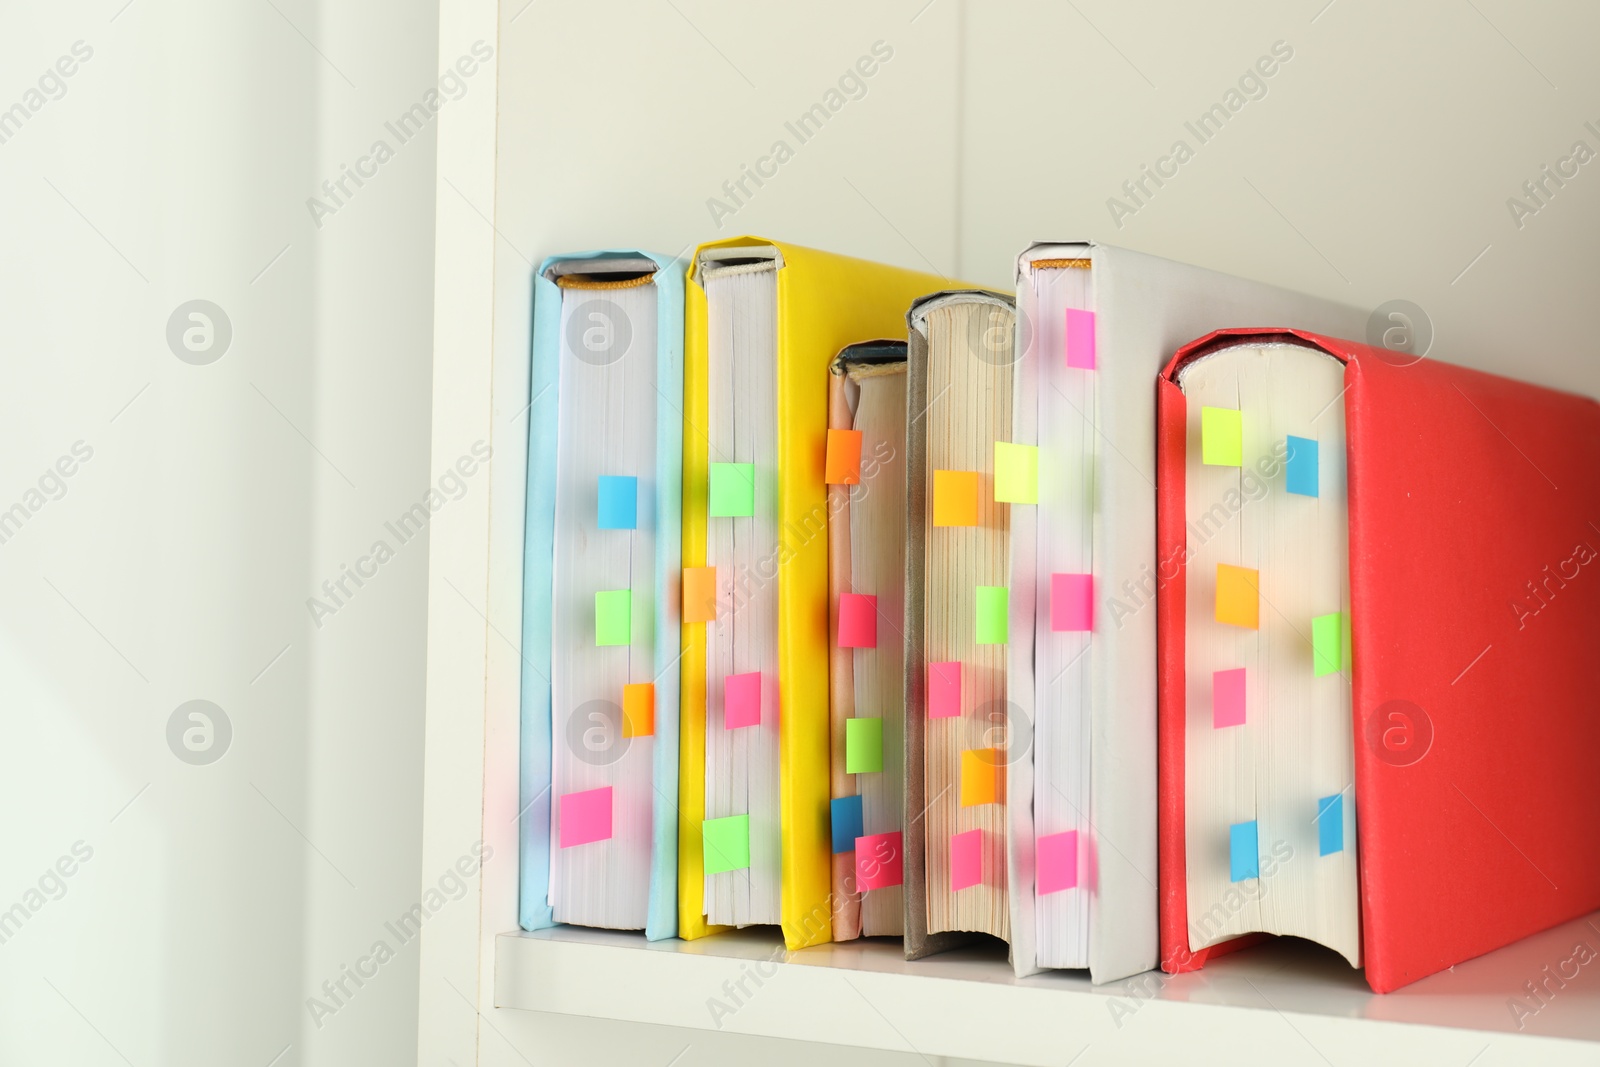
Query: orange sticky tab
x=955, y=498
x=699, y=594
x=983, y=776
x=844, y=458
x=639, y=710
x=1238, y=602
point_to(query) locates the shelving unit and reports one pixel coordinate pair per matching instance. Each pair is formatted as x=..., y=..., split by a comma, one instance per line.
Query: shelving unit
x=529, y=165
x=1284, y=1002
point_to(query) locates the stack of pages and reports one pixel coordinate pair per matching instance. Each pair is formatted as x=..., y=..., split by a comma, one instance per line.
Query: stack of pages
x=764, y=323
x=600, y=626
x=1329, y=696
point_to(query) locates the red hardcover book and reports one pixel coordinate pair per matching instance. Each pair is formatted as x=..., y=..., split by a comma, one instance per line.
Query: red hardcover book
x=1473, y=655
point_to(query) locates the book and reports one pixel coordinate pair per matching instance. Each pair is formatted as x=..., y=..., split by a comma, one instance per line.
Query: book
x=1377, y=633
x=958, y=400
x=864, y=467
x=1095, y=325
x=763, y=321
x=599, y=738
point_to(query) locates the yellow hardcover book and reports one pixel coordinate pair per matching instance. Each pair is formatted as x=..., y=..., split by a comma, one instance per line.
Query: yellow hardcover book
x=762, y=322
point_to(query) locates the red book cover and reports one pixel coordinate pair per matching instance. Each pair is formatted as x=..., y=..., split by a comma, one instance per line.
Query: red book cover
x=1474, y=505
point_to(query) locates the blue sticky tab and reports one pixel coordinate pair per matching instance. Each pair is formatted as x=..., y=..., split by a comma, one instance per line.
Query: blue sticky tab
x=619, y=503
x=1245, y=857
x=1300, y=471
x=847, y=823
x=1330, y=824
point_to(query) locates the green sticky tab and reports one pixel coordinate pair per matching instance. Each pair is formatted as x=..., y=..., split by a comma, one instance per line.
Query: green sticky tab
x=732, y=490
x=863, y=746
x=727, y=844
x=1222, y=437
x=613, y=617
x=1327, y=641
x=1016, y=473
x=994, y=605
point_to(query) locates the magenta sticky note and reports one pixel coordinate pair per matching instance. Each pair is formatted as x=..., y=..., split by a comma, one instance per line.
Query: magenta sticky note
x=858, y=620
x=1080, y=339
x=1227, y=698
x=585, y=817
x=741, y=700
x=1056, y=862
x=1071, y=602
x=966, y=859
x=879, y=861
x=944, y=690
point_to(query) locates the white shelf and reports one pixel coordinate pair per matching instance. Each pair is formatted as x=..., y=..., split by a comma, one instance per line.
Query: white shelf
x=1286, y=1002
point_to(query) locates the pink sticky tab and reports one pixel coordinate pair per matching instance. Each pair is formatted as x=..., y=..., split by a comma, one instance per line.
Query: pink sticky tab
x=944, y=690
x=1227, y=698
x=1071, y=602
x=879, y=860
x=858, y=621
x=966, y=859
x=586, y=817
x=1057, y=862
x=1080, y=339
x=741, y=700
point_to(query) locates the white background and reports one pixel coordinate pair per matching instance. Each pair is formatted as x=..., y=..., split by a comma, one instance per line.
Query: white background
x=178, y=564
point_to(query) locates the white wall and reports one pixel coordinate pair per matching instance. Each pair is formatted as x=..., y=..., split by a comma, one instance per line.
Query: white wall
x=178, y=563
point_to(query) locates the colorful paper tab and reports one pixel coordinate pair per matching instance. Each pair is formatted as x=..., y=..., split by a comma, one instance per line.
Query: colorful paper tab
x=1056, y=862
x=1244, y=857
x=639, y=709
x=1227, y=698
x=741, y=700
x=944, y=690
x=1238, y=602
x=863, y=746
x=731, y=490
x=955, y=498
x=848, y=824
x=1300, y=467
x=619, y=503
x=983, y=776
x=1330, y=824
x=858, y=620
x=1221, y=437
x=993, y=614
x=843, y=463
x=1016, y=473
x=727, y=843
x=585, y=817
x=1071, y=602
x=699, y=594
x=613, y=617
x=1080, y=339
x=966, y=860
x=1327, y=644
x=880, y=861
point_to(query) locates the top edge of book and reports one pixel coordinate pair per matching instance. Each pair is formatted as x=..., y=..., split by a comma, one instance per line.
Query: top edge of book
x=868, y=359
x=605, y=267
x=917, y=317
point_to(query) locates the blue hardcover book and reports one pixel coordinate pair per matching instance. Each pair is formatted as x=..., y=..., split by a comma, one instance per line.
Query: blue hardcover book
x=600, y=625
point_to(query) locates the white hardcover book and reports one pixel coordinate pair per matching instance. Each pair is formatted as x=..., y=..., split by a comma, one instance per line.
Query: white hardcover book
x=1095, y=325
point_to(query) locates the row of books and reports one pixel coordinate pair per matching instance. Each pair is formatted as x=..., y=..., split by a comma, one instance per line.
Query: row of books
x=1123, y=616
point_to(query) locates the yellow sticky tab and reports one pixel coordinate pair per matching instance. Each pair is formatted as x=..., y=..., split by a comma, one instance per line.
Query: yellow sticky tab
x=955, y=498
x=1238, y=601
x=983, y=776
x=1221, y=437
x=1016, y=473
